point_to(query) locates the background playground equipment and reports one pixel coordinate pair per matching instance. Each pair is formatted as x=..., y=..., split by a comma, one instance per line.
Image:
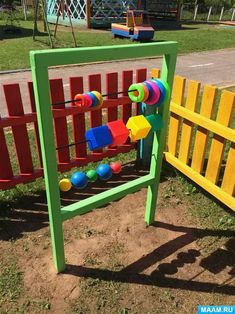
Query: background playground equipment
x=40, y=61
x=137, y=26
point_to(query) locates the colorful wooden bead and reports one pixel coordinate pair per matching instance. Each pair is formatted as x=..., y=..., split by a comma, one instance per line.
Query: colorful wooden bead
x=156, y=122
x=104, y=172
x=91, y=175
x=65, y=185
x=139, y=127
x=136, y=92
x=79, y=180
x=118, y=131
x=155, y=95
x=98, y=137
x=116, y=167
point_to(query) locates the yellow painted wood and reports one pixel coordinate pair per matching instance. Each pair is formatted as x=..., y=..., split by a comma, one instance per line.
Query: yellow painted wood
x=228, y=183
x=201, y=138
x=155, y=73
x=202, y=181
x=187, y=127
x=174, y=123
x=227, y=102
x=205, y=123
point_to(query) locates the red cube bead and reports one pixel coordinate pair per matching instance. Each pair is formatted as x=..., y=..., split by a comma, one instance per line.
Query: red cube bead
x=119, y=132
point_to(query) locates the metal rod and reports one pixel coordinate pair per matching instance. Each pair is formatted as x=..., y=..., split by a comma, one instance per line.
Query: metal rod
x=72, y=144
x=103, y=95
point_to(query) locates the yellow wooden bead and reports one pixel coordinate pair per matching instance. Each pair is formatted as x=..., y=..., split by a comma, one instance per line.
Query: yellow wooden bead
x=99, y=96
x=65, y=185
x=139, y=127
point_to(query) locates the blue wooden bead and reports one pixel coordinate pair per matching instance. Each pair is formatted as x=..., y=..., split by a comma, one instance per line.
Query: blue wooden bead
x=104, y=172
x=79, y=180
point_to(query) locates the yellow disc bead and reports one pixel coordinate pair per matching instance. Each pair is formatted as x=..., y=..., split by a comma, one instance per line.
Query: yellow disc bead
x=65, y=185
x=99, y=97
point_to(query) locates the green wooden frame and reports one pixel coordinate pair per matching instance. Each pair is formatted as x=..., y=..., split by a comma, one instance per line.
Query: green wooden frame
x=40, y=61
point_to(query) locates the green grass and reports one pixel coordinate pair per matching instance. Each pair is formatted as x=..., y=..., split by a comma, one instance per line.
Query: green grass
x=196, y=37
x=11, y=283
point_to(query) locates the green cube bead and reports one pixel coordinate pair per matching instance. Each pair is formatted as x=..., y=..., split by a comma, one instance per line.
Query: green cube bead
x=155, y=120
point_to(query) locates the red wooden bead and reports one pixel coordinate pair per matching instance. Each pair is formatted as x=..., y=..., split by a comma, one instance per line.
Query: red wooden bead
x=116, y=167
x=119, y=132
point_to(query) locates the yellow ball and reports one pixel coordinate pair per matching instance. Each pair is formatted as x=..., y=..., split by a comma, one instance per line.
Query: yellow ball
x=65, y=185
x=99, y=96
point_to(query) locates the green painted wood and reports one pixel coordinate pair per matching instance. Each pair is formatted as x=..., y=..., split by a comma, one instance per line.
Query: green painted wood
x=159, y=139
x=106, y=53
x=40, y=61
x=47, y=142
x=103, y=198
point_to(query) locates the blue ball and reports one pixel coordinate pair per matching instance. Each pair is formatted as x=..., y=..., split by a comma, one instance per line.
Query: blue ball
x=79, y=180
x=104, y=172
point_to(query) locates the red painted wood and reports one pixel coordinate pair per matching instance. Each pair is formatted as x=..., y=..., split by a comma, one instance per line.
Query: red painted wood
x=20, y=134
x=111, y=88
x=24, y=178
x=33, y=109
x=78, y=119
x=94, y=83
x=127, y=80
x=5, y=163
x=95, y=157
x=60, y=124
x=18, y=120
x=141, y=75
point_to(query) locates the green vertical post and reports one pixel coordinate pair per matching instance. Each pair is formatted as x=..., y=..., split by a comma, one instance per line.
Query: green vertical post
x=159, y=139
x=46, y=133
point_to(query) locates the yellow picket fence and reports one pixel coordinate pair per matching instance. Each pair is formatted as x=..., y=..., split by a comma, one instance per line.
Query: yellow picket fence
x=201, y=138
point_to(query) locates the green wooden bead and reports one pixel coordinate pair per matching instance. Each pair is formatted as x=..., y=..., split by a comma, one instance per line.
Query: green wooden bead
x=91, y=175
x=155, y=120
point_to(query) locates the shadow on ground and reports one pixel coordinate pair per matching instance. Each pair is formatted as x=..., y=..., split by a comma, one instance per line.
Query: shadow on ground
x=163, y=276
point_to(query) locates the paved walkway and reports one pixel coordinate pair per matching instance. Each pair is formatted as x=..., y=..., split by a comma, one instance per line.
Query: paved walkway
x=213, y=67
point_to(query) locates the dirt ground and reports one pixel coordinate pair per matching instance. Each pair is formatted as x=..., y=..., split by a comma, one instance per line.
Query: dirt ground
x=115, y=264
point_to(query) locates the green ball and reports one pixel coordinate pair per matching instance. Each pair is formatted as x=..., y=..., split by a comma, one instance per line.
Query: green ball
x=91, y=175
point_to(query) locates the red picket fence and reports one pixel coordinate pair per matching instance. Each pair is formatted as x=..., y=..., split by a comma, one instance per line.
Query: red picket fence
x=21, y=166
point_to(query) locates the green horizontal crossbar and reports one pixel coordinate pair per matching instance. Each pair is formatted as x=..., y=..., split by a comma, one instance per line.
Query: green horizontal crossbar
x=103, y=198
x=46, y=58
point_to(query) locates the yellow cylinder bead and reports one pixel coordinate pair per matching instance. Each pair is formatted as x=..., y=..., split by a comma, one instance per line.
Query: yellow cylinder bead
x=65, y=185
x=99, y=97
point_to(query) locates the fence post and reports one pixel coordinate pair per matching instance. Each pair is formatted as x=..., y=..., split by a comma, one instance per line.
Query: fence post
x=209, y=13
x=195, y=12
x=181, y=11
x=233, y=14
x=88, y=14
x=23, y=3
x=221, y=13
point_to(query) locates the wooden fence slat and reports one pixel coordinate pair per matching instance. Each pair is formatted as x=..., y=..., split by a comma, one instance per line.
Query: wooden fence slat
x=33, y=110
x=5, y=162
x=174, y=124
x=94, y=83
x=20, y=134
x=187, y=126
x=155, y=73
x=60, y=124
x=111, y=88
x=78, y=120
x=228, y=183
x=226, y=105
x=127, y=79
x=201, y=139
x=141, y=75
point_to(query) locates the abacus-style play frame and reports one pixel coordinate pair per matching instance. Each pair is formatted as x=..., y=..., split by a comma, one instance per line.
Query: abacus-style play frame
x=40, y=61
